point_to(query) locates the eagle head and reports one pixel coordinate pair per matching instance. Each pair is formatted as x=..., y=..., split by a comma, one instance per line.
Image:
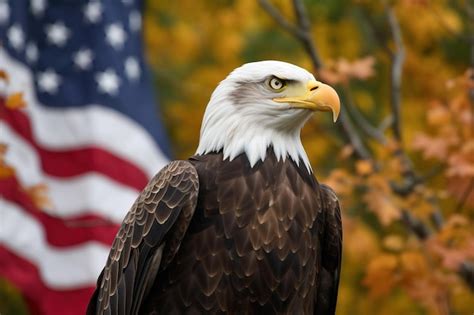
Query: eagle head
x=264, y=104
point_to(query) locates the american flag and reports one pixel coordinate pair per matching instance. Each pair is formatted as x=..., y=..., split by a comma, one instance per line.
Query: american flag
x=90, y=133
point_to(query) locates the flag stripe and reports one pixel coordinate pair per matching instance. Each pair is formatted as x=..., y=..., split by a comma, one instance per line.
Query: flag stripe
x=59, y=268
x=75, y=162
x=60, y=232
x=88, y=126
x=27, y=278
x=106, y=197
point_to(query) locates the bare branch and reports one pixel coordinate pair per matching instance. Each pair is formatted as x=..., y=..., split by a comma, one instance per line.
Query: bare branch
x=418, y=227
x=361, y=121
x=302, y=31
x=385, y=123
x=350, y=132
x=467, y=273
x=414, y=180
x=437, y=219
x=305, y=27
x=301, y=15
x=398, y=57
x=280, y=19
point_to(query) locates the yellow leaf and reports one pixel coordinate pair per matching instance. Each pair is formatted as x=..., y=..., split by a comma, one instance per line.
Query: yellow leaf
x=413, y=262
x=15, y=101
x=393, y=242
x=364, y=167
x=346, y=152
x=438, y=115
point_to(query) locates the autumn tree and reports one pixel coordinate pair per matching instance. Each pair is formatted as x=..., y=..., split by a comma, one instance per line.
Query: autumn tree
x=402, y=156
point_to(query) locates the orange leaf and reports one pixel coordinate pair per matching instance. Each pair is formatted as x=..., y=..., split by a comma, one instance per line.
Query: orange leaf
x=363, y=69
x=431, y=147
x=15, y=101
x=364, y=167
x=342, y=70
x=381, y=274
x=3, y=150
x=39, y=195
x=439, y=115
x=346, y=152
x=451, y=258
x=6, y=171
x=4, y=75
x=380, y=201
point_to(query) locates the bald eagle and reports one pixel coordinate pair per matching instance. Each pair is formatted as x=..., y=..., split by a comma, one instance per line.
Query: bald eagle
x=242, y=226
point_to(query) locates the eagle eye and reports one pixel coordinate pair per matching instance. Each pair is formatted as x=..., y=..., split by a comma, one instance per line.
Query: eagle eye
x=276, y=84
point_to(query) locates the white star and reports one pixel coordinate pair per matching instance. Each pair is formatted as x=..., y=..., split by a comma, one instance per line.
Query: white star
x=93, y=12
x=135, y=21
x=49, y=81
x=108, y=82
x=38, y=7
x=57, y=33
x=115, y=35
x=16, y=37
x=83, y=59
x=4, y=12
x=132, y=68
x=31, y=52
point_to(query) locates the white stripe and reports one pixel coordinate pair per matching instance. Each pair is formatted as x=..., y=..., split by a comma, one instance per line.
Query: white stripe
x=60, y=268
x=93, y=125
x=72, y=196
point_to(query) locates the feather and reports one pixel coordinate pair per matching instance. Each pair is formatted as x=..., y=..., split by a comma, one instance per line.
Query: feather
x=137, y=250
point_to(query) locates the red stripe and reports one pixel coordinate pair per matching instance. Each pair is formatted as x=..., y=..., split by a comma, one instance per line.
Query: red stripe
x=74, y=162
x=40, y=298
x=61, y=232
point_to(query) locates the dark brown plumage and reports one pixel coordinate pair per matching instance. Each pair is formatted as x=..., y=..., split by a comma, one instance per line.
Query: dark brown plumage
x=212, y=236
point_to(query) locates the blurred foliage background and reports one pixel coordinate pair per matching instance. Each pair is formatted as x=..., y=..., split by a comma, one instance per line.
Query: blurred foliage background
x=401, y=158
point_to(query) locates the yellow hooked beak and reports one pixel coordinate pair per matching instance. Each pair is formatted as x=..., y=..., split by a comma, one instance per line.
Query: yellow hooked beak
x=316, y=96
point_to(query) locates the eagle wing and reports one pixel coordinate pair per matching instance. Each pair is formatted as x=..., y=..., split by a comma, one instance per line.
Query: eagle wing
x=331, y=254
x=149, y=237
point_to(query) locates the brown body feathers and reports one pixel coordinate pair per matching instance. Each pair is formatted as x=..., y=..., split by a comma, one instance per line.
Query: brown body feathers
x=212, y=236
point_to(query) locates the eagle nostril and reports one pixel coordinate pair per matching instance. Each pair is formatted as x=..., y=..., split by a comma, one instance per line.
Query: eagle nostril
x=314, y=88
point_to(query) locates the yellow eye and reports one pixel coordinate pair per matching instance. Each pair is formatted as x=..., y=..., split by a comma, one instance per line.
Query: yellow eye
x=276, y=84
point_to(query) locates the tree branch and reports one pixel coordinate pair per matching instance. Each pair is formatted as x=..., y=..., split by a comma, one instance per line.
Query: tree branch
x=280, y=19
x=466, y=272
x=305, y=26
x=361, y=121
x=302, y=31
x=412, y=181
x=385, y=123
x=350, y=132
x=301, y=15
x=398, y=57
x=416, y=226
